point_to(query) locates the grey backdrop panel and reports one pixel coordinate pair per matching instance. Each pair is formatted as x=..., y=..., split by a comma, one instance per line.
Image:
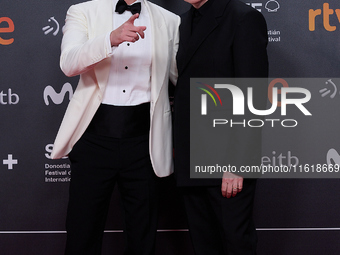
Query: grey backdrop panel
x=292, y=216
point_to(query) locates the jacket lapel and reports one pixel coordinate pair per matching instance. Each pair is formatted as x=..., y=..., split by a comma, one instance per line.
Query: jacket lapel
x=159, y=50
x=104, y=24
x=192, y=41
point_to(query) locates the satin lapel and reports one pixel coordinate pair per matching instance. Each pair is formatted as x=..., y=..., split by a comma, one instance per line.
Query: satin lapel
x=103, y=25
x=160, y=50
x=206, y=25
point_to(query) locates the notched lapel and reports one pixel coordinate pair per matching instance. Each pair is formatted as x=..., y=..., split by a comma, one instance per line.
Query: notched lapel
x=103, y=24
x=160, y=50
x=207, y=24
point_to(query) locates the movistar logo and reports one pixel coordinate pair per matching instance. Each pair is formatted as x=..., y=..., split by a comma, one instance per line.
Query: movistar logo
x=204, y=97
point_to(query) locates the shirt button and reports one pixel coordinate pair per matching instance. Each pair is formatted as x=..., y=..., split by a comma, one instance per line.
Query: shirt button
x=124, y=91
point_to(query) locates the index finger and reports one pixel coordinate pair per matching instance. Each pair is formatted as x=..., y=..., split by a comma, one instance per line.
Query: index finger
x=133, y=18
x=240, y=184
x=140, y=31
x=224, y=186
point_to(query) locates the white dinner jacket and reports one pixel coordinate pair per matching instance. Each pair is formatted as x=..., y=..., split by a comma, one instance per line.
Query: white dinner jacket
x=83, y=53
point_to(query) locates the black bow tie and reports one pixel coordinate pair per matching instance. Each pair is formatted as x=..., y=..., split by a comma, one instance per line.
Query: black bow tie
x=122, y=7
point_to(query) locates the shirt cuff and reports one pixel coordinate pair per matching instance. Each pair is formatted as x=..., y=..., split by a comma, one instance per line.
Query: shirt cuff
x=110, y=50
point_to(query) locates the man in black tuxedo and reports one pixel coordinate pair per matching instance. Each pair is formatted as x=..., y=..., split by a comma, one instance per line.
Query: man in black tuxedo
x=219, y=38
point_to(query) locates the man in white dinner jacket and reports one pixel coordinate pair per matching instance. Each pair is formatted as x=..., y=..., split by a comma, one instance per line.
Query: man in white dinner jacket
x=117, y=127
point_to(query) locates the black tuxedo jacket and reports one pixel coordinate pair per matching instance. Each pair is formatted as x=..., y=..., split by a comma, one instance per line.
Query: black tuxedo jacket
x=230, y=40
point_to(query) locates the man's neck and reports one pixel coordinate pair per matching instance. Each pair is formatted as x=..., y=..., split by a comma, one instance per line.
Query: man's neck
x=197, y=6
x=129, y=2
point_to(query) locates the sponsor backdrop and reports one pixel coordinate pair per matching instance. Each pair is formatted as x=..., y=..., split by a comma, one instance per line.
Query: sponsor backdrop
x=293, y=216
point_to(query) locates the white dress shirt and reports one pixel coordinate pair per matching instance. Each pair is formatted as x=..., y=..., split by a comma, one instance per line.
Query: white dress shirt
x=129, y=81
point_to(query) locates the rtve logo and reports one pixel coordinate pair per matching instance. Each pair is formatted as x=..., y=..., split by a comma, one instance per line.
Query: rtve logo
x=327, y=12
x=57, y=98
x=6, y=26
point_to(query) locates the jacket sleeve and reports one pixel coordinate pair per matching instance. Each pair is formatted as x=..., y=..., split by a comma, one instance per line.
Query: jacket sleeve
x=251, y=61
x=79, y=50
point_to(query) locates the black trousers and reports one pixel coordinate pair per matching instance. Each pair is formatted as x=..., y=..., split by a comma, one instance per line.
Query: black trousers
x=97, y=164
x=219, y=225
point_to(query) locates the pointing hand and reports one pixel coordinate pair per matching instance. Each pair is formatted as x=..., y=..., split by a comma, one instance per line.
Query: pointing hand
x=127, y=32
